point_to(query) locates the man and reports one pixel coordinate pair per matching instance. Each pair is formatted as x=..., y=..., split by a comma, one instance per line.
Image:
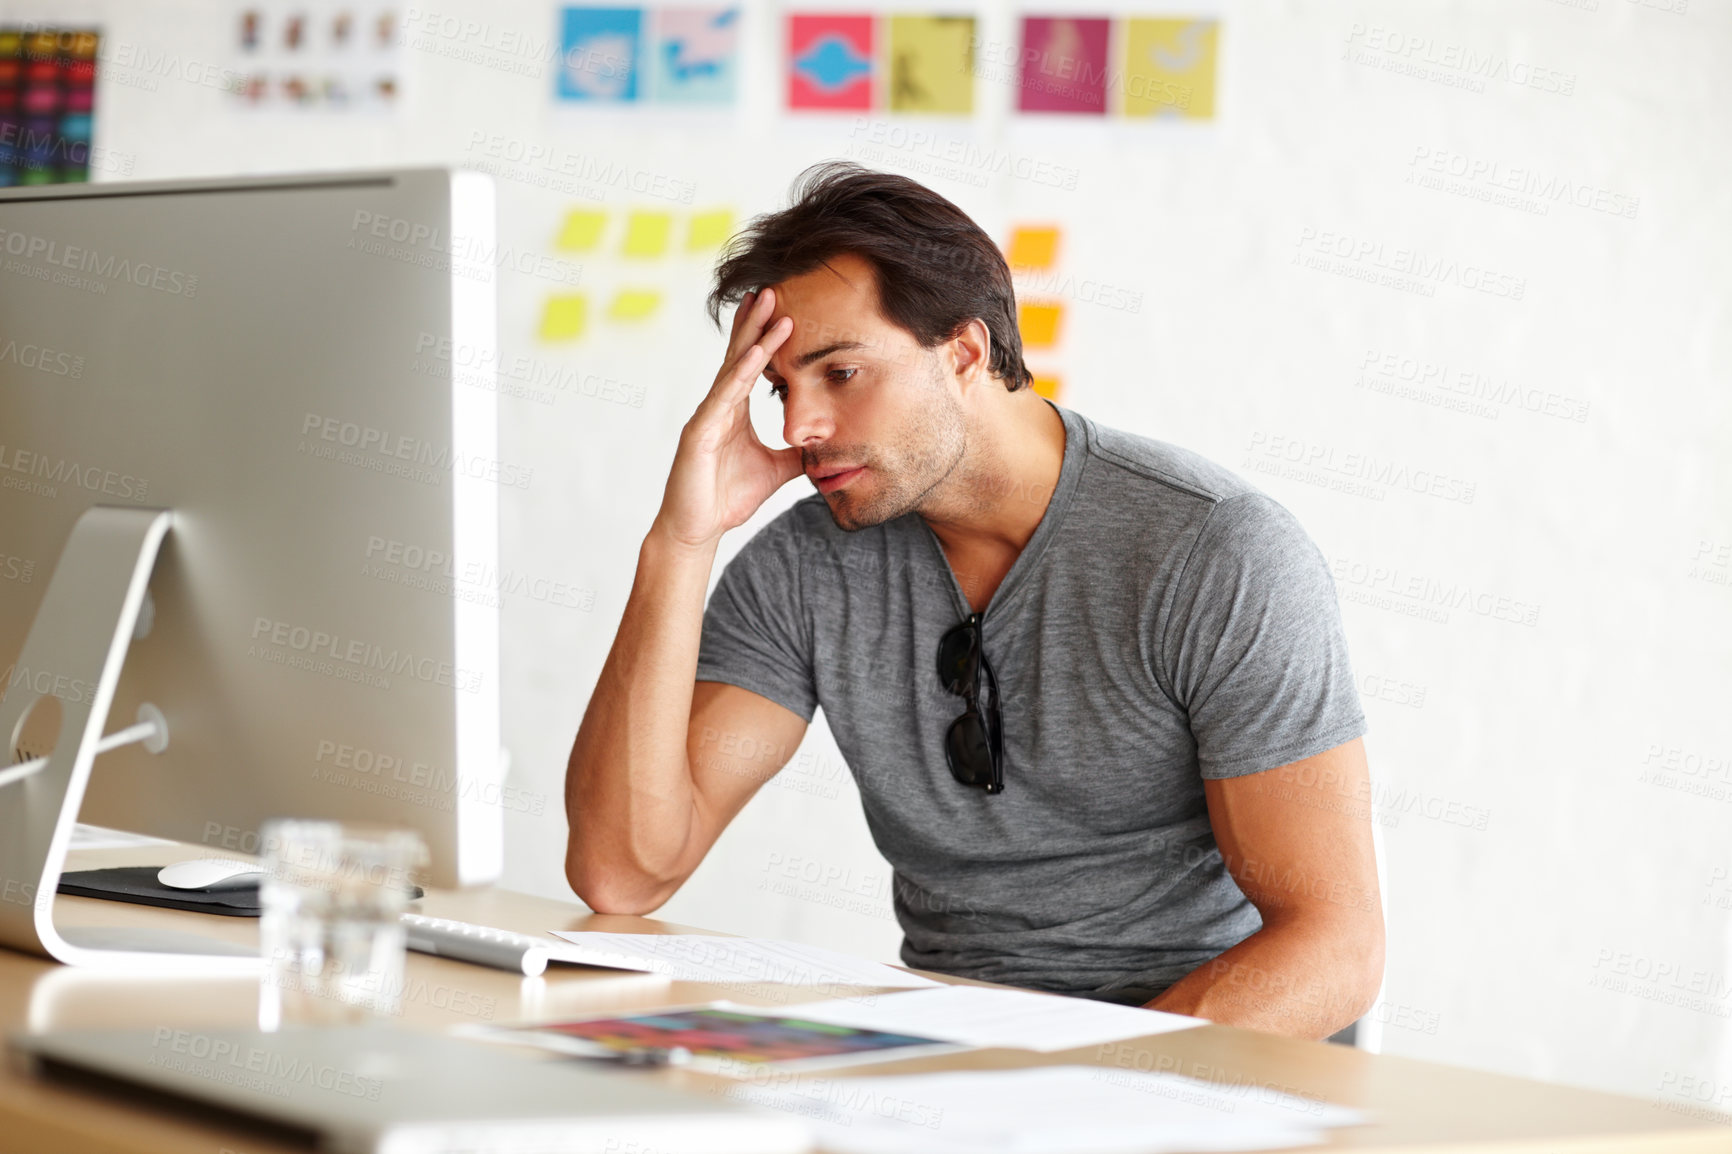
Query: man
x=1093, y=688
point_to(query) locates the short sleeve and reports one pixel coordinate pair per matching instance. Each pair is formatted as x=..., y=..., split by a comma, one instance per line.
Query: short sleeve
x=1253, y=647
x=755, y=632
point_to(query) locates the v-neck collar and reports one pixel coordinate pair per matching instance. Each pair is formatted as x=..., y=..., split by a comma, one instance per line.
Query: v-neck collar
x=1069, y=473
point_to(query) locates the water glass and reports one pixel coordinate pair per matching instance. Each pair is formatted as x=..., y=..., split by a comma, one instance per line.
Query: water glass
x=331, y=933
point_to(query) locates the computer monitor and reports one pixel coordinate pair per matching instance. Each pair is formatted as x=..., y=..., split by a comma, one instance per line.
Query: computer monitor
x=293, y=367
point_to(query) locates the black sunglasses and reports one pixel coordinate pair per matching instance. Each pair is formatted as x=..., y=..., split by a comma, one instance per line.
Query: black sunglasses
x=974, y=743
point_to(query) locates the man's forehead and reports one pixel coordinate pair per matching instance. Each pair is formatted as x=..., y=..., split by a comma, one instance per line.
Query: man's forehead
x=835, y=310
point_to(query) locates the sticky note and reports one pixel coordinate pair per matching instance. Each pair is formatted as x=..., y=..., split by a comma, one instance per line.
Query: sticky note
x=633, y=304
x=710, y=229
x=1032, y=247
x=1170, y=68
x=563, y=317
x=581, y=230
x=932, y=64
x=646, y=234
x=1046, y=386
x=1038, y=324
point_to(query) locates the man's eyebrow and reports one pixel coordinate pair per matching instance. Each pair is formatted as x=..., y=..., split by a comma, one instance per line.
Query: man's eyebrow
x=805, y=359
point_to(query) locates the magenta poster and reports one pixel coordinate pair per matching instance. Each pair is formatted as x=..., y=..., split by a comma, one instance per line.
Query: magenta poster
x=1064, y=65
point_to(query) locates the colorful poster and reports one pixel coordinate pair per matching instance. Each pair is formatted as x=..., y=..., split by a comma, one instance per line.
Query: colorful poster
x=329, y=58
x=1064, y=65
x=47, y=102
x=694, y=57
x=598, y=54
x=830, y=62
x=1170, y=68
x=932, y=64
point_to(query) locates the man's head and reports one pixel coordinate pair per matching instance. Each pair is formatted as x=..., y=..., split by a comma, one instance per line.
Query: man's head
x=903, y=313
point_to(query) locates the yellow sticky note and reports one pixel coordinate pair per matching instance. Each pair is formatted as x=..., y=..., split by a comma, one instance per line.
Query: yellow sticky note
x=1170, y=68
x=646, y=234
x=1046, y=386
x=710, y=229
x=581, y=231
x=1033, y=246
x=564, y=317
x=932, y=64
x=633, y=304
x=1038, y=324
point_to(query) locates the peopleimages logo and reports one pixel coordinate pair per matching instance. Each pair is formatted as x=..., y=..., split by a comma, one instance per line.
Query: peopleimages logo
x=374, y=447
x=37, y=473
x=41, y=358
x=86, y=260
x=315, y=649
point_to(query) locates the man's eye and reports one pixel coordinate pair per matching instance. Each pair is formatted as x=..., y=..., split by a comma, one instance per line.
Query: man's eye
x=779, y=392
x=842, y=376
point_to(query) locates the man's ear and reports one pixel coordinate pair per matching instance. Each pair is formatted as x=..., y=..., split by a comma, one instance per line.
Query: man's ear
x=970, y=353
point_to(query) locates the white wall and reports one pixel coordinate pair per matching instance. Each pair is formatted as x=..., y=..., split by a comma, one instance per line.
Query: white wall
x=1539, y=873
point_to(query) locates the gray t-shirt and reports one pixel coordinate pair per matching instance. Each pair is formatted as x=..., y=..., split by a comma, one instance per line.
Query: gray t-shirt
x=1165, y=624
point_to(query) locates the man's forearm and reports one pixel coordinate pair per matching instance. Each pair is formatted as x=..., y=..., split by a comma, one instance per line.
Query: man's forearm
x=1299, y=979
x=628, y=786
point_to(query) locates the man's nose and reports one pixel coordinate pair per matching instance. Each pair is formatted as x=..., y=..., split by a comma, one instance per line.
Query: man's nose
x=806, y=417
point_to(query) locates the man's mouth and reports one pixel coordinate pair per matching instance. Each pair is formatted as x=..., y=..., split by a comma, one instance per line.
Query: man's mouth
x=831, y=477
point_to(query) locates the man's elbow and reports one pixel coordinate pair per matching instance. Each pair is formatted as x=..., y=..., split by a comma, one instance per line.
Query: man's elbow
x=1365, y=963
x=610, y=887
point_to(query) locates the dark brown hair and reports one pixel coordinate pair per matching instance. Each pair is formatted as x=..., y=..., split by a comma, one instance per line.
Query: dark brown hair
x=936, y=269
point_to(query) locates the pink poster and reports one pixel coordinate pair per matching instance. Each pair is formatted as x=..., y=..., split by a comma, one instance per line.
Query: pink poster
x=830, y=62
x=1064, y=65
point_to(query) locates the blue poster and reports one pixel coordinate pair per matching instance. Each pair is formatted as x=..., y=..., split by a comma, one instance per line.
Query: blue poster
x=598, y=54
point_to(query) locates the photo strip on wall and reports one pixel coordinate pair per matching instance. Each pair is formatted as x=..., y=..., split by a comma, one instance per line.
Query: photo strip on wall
x=334, y=56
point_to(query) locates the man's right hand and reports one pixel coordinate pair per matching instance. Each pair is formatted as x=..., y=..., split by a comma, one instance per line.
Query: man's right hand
x=722, y=472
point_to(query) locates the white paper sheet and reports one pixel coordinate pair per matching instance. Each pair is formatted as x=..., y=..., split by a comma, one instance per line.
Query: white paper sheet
x=1045, y=1110
x=704, y=958
x=1015, y=1019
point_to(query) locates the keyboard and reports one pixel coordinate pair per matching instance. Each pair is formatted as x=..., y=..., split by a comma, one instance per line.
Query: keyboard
x=466, y=942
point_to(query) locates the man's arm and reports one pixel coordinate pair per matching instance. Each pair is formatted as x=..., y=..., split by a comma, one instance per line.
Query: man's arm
x=644, y=797
x=1297, y=839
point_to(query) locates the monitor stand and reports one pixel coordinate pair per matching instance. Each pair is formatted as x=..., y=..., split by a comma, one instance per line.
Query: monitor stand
x=71, y=664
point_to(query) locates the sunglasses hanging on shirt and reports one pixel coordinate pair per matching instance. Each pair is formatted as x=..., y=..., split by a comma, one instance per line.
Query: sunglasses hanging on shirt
x=974, y=744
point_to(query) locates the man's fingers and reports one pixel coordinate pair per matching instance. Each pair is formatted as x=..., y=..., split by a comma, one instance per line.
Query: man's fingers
x=744, y=372
x=744, y=307
x=734, y=383
x=749, y=320
x=752, y=321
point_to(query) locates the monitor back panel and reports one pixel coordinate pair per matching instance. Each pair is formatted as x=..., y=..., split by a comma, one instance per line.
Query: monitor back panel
x=271, y=361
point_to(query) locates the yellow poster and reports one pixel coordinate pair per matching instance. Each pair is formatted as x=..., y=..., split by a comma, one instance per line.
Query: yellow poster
x=1170, y=68
x=932, y=64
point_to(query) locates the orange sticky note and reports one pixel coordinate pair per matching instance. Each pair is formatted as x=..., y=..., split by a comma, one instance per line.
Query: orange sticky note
x=1038, y=324
x=1046, y=386
x=564, y=317
x=1033, y=246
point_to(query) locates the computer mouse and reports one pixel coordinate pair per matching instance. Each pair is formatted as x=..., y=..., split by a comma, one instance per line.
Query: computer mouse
x=209, y=874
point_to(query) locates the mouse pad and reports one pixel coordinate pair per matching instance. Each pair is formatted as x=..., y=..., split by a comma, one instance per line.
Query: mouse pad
x=138, y=884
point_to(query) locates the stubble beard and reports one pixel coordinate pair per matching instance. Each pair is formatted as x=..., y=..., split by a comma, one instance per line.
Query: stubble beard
x=924, y=455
